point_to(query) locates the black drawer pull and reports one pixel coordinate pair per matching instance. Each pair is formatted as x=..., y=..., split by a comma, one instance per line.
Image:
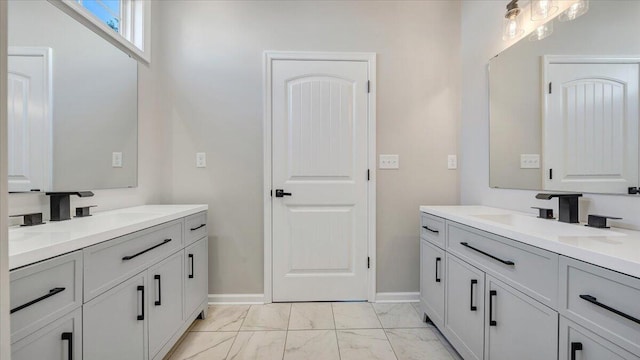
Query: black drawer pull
x=506, y=262
x=437, y=268
x=429, y=229
x=492, y=294
x=129, y=257
x=159, y=301
x=141, y=289
x=192, y=274
x=198, y=227
x=472, y=307
x=43, y=297
x=67, y=336
x=595, y=301
x=575, y=346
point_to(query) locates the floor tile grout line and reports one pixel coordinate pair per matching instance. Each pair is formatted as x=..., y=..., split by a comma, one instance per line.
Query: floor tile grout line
x=384, y=330
x=335, y=331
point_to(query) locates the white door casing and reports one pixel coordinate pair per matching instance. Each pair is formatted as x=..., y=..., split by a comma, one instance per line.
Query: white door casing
x=318, y=240
x=29, y=118
x=590, y=124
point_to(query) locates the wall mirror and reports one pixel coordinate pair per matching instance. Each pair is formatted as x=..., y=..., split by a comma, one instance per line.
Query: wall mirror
x=564, y=109
x=73, y=106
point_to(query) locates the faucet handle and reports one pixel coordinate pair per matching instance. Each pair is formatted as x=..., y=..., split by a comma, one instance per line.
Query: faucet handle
x=600, y=221
x=544, y=213
x=30, y=219
x=84, y=210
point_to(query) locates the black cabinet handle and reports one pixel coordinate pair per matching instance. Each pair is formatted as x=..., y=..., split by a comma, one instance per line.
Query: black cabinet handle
x=141, y=289
x=43, y=297
x=575, y=346
x=471, y=306
x=191, y=275
x=595, y=301
x=67, y=336
x=429, y=229
x=506, y=262
x=492, y=294
x=281, y=193
x=198, y=227
x=437, y=267
x=129, y=257
x=159, y=301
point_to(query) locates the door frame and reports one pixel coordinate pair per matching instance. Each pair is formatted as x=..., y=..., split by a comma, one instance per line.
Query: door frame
x=5, y=318
x=268, y=58
x=546, y=62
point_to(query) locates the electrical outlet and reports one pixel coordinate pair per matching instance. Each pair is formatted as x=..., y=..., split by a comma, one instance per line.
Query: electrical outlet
x=116, y=159
x=389, y=162
x=529, y=161
x=452, y=162
x=201, y=160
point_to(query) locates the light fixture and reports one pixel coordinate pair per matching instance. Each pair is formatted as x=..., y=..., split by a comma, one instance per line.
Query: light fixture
x=542, y=31
x=542, y=9
x=577, y=9
x=512, y=22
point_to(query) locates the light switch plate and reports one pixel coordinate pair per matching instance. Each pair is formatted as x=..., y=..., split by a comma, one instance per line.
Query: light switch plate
x=529, y=161
x=201, y=160
x=389, y=162
x=452, y=162
x=116, y=159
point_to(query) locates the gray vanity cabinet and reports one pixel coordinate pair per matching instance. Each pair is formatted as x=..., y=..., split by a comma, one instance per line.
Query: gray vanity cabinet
x=59, y=340
x=518, y=327
x=464, y=311
x=114, y=325
x=164, y=301
x=432, y=281
x=196, y=278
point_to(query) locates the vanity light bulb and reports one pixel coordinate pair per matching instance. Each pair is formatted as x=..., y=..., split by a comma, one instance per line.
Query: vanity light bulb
x=542, y=9
x=512, y=28
x=574, y=11
x=542, y=31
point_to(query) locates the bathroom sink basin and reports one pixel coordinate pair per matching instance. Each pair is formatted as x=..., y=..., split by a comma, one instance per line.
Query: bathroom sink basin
x=545, y=227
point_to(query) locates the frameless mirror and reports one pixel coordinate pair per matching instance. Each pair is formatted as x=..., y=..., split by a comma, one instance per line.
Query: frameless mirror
x=72, y=104
x=564, y=109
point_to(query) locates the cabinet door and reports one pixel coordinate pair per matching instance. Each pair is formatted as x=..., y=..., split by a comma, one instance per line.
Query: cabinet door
x=464, y=311
x=60, y=340
x=518, y=327
x=576, y=342
x=164, y=301
x=196, y=276
x=432, y=280
x=114, y=323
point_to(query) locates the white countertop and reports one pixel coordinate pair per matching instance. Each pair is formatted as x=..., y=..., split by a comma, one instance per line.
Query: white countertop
x=616, y=249
x=30, y=244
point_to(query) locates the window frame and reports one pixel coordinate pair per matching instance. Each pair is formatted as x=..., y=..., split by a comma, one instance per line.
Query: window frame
x=134, y=33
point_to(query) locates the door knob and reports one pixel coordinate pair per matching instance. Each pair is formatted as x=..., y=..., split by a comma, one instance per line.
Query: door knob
x=281, y=193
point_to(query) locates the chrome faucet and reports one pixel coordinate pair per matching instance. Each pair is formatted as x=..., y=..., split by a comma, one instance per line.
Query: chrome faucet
x=568, y=206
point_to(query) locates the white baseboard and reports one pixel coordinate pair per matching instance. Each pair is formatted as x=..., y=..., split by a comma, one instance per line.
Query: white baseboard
x=397, y=297
x=236, y=299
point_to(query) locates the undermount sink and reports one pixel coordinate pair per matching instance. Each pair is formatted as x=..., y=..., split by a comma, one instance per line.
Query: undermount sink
x=545, y=227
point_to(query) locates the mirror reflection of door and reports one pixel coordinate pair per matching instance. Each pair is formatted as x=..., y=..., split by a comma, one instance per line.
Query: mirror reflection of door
x=591, y=125
x=29, y=119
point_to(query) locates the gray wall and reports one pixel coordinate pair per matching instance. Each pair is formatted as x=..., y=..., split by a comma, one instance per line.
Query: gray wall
x=481, y=40
x=210, y=56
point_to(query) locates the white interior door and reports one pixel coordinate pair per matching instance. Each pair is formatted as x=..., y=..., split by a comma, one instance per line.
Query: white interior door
x=591, y=127
x=319, y=156
x=29, y=119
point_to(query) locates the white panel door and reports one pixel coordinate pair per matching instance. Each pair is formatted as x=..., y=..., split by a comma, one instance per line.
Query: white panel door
x=591, y=128
x=29, y=124
x=319, y=139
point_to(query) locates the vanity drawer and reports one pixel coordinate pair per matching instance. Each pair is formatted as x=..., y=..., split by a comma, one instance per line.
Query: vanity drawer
x=111, y=262
x=432, y=228
x=576, y=342
x=529, y=269
x=195, y=227
x=603, y=300
x=44, y=292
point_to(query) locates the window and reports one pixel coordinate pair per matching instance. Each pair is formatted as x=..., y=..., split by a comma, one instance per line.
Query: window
x=108, y=11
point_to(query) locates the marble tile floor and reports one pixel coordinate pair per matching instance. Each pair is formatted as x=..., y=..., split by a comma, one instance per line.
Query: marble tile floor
x=313, y=331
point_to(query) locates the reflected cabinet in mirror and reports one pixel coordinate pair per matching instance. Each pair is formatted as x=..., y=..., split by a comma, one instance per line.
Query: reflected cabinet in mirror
x=72, y=104
x=564, y=109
